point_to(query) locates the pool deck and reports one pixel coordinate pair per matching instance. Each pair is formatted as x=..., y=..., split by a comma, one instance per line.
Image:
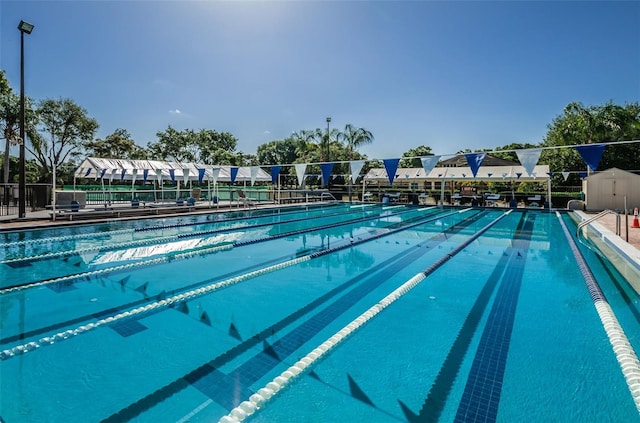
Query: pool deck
x=609, y=222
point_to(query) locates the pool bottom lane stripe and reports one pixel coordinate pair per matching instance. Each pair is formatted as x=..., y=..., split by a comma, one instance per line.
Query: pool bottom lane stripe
x=199, y=376
x=258, y=400
x=624, y=352
x=482, y=392
x=441, y=387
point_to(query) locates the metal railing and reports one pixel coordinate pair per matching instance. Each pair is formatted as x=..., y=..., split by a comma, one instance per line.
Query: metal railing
x=598, y=216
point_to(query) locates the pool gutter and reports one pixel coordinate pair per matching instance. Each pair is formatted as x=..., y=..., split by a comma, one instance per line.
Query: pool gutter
x=624, y=256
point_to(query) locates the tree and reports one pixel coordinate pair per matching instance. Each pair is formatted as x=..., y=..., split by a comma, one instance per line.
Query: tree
x=355, y=137
x=305, y=145
x=411, y=158
x=218, y=147
x=66, y=126
x=507, y=152
x=205, y=146
x=278, y=152
x=117, y=145
x=10, y=120
x=594, y=124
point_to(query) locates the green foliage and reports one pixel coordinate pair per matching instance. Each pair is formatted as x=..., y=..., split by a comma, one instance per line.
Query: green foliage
x=10, y=120
x=354, y=138
x=205, y=146
x=67, y=126
x=411, y=158
x=279, y=152
x=594, y=124
x=511, y=155
x=118, y=145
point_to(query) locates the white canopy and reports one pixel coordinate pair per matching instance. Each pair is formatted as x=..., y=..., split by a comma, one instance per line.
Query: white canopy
x=540, y=173
x=120, y=169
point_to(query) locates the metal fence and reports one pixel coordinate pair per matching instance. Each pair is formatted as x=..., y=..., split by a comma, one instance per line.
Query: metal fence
x=37, y=198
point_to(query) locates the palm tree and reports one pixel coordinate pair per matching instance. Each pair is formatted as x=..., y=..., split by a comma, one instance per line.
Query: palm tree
x=304, y=143
x=355, y=137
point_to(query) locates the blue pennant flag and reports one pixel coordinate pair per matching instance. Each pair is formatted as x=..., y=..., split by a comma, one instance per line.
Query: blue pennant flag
x=326, y=172
x=124, y=172
x=518, y=175
x=391, y=165
x=275, y=172
x=201, y=175
x=475, y=160
x=234, y=174
x=550, y=174
x=145, y=174
x=102, y=173
x=172, y=173
x=88, y=172
x=591, y=154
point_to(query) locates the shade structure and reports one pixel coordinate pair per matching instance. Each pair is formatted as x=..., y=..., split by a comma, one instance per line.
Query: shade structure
x=95, y=168
x=540, y=173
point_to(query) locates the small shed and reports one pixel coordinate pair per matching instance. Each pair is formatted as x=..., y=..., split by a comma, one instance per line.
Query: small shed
x=607, y=189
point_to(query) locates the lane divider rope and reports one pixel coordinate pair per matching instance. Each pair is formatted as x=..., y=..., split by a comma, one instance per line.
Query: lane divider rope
x=624, y=352
x=263, y=395
x=34, y=345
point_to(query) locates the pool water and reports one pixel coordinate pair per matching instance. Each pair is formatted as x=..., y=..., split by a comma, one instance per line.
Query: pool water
x=184, y=318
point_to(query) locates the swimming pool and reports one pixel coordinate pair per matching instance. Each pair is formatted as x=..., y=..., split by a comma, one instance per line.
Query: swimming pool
x=387, y=313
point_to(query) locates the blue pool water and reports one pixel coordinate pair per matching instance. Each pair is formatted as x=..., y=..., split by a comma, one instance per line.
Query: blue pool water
x=184, y=318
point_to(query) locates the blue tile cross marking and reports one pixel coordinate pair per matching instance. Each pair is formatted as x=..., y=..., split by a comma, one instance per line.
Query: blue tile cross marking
x=481, y=395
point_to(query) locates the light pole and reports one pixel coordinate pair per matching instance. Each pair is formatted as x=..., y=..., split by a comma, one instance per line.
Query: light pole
x=326, y=153
x=25, y=28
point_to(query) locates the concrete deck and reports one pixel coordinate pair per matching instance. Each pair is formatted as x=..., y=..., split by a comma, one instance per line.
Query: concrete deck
x=628, y=234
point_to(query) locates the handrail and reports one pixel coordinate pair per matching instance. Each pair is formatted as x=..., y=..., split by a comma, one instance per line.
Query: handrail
x=331, y=197
x=598, y=216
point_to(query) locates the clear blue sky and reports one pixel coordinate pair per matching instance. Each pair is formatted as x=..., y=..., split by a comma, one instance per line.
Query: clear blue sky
x=449, y=75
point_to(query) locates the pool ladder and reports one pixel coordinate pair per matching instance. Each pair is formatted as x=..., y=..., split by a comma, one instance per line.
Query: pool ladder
x=598, y=216
x=592, y=219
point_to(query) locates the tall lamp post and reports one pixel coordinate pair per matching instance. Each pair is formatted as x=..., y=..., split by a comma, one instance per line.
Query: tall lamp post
x=327, y=145
x=25, y=28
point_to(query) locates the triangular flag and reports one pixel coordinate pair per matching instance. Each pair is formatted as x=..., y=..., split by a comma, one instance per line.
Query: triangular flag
x=172, y=173
x=159, y=175
x=566, y=175
x=275, y=173
x=134, y=173
x=529, y=158
x=234, y=173
x=300, y=169
x=145, y=174
x=591, y=154
x=185, y=175
x=355, y=167
x=201, y=173
x=124, y=172
x=215, y=172
x=518, y=175
x=88, y=172
x=254, y=173
x=391, y=165
x=475, y=160
x=102, y=173
x=326, y=172
x=428, y=163
x=113, y=174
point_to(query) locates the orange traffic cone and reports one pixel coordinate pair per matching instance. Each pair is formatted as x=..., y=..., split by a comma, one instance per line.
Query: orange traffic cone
x=635, y=223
